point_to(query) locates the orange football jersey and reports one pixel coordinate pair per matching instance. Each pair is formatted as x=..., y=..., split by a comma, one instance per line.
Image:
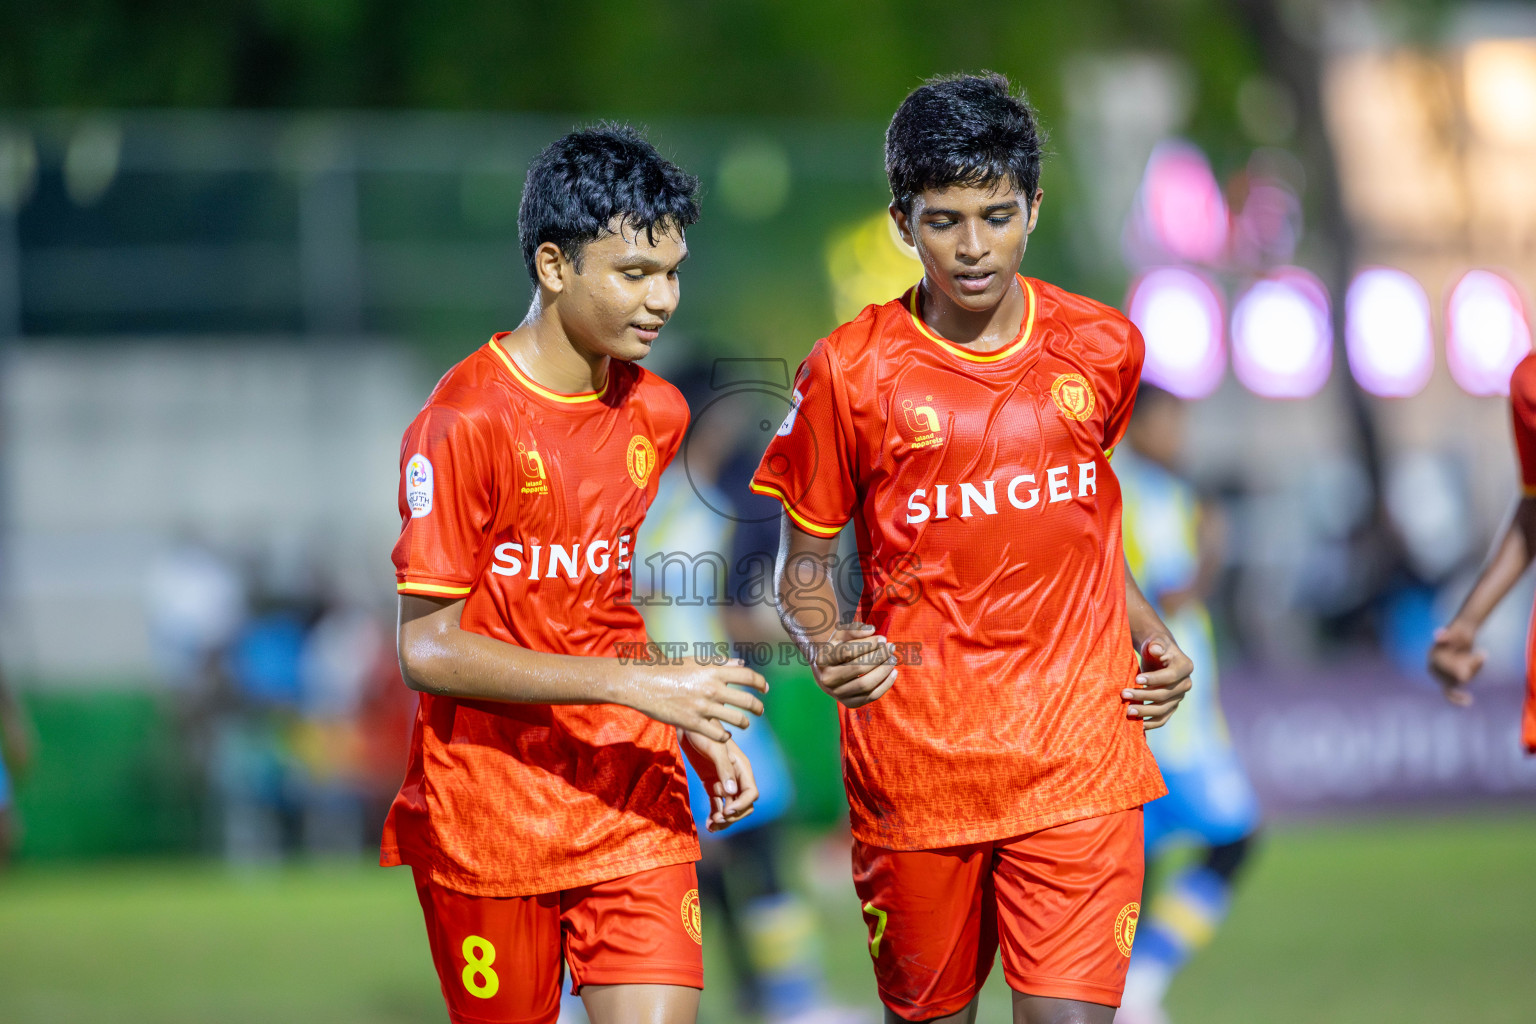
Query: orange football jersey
x=1522, y=403
x=988, y=524
x=526, y=503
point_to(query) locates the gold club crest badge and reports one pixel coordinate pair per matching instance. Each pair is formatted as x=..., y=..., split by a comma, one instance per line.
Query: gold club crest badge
x=640, y=459
x=1073, y=395
x=692, y=921
x=1125, y=927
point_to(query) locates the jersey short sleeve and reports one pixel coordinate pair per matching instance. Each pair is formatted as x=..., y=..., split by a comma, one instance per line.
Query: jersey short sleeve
x=809, y=465
x=1522, y=407
x=1127, y=379
x=446, y=504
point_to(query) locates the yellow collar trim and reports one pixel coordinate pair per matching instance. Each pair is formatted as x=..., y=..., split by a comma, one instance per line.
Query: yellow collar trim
x=962, y=351
x=539, y=389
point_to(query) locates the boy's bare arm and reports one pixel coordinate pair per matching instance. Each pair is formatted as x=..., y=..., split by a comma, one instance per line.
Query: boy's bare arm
x=1454, y=659
x=849, y=662
x=438, y=657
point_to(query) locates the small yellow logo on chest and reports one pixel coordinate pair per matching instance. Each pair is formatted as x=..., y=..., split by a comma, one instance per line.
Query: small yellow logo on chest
x=1073, y=395
x=923, y=422
x=535, y=479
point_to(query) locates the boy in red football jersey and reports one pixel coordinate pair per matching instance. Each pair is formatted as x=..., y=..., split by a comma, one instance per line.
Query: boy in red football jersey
x=1454, y=658
x=996, y=780
x=545, y=809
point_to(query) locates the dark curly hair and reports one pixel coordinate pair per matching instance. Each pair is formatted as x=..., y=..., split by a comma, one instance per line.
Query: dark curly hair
x=583, y=183
x=962, y=130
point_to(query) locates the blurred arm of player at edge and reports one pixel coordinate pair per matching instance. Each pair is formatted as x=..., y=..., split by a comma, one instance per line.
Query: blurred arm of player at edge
x=15, y=737
x=1453, y=659
x=436, y=656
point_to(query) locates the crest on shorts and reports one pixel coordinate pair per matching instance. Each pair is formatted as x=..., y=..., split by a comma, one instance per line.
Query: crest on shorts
x=692, y=922
x=1125, y=927
x=640, y=459
x=1073, y=395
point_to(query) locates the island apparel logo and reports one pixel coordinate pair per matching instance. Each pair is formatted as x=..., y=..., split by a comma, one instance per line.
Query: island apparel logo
x=535, y=480
x=418, y=486
x=923, y=422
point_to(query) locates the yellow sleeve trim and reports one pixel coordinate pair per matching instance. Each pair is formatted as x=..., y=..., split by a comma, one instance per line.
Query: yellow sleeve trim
x=804, y=523
x=1528, y=491
x=432, y=588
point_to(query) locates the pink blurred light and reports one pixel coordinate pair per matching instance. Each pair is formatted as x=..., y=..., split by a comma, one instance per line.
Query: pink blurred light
x=1185, y=212
x=1388, y=334
x=1486, y=332
x=1282, y=344
x=1180, y=315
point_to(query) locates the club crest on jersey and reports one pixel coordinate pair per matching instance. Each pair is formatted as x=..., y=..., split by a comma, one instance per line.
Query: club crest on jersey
x=922, y=421
x=1125, y=927
x=1073, y=395
x=418, y=486
x=535, y=479
x=640, y=459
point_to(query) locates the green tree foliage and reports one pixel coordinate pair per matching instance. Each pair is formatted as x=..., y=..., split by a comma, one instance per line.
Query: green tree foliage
x=830, y=58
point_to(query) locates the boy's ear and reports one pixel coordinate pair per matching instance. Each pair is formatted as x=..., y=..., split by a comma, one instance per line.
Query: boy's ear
x=550, y=267
x=1034, y=207
x=903, y=225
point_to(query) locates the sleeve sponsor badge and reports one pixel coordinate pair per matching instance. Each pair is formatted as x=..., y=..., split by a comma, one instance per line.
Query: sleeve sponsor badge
x=418, y=486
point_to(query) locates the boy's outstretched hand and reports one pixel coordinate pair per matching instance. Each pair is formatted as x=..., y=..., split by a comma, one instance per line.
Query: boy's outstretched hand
x=727, y=777
x=1163, y=682
x=1454, y=661
x=855, y=666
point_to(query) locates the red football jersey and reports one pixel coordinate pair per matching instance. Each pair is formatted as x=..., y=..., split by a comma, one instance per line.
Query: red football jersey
x=526, y=503
x=1522, y=404
x=988, y=519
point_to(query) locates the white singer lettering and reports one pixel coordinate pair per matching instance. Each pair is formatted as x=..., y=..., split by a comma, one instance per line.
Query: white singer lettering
x=563, y=560
x=980, y=498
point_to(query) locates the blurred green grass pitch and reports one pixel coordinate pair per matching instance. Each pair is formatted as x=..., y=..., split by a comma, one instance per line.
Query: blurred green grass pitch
x=1407, y=920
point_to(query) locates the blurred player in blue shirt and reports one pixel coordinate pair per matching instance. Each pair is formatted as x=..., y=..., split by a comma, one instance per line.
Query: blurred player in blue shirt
x=689, y=560
x=1172, y=545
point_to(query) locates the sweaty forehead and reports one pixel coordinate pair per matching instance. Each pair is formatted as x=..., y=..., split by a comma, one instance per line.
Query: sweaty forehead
x=968, y=197
x=664, y=242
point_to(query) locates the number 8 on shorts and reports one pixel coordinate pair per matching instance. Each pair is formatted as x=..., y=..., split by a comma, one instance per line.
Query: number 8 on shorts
x=479, y=954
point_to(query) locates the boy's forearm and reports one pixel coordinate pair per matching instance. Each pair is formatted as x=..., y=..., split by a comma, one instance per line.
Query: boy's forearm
x=803, y=588
x=1512, y=554
x=453, y=662
x=808, y=611
x=1145, y=622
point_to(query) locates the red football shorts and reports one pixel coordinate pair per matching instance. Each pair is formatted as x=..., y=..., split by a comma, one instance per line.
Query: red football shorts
x=499, y=957
x=1063, y=901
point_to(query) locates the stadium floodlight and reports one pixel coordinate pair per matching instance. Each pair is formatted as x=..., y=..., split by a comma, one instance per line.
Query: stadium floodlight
x=1387, y=333
x=1486, y=332
x=1282, y=343
x=1180, y=208
x=1181, y=317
